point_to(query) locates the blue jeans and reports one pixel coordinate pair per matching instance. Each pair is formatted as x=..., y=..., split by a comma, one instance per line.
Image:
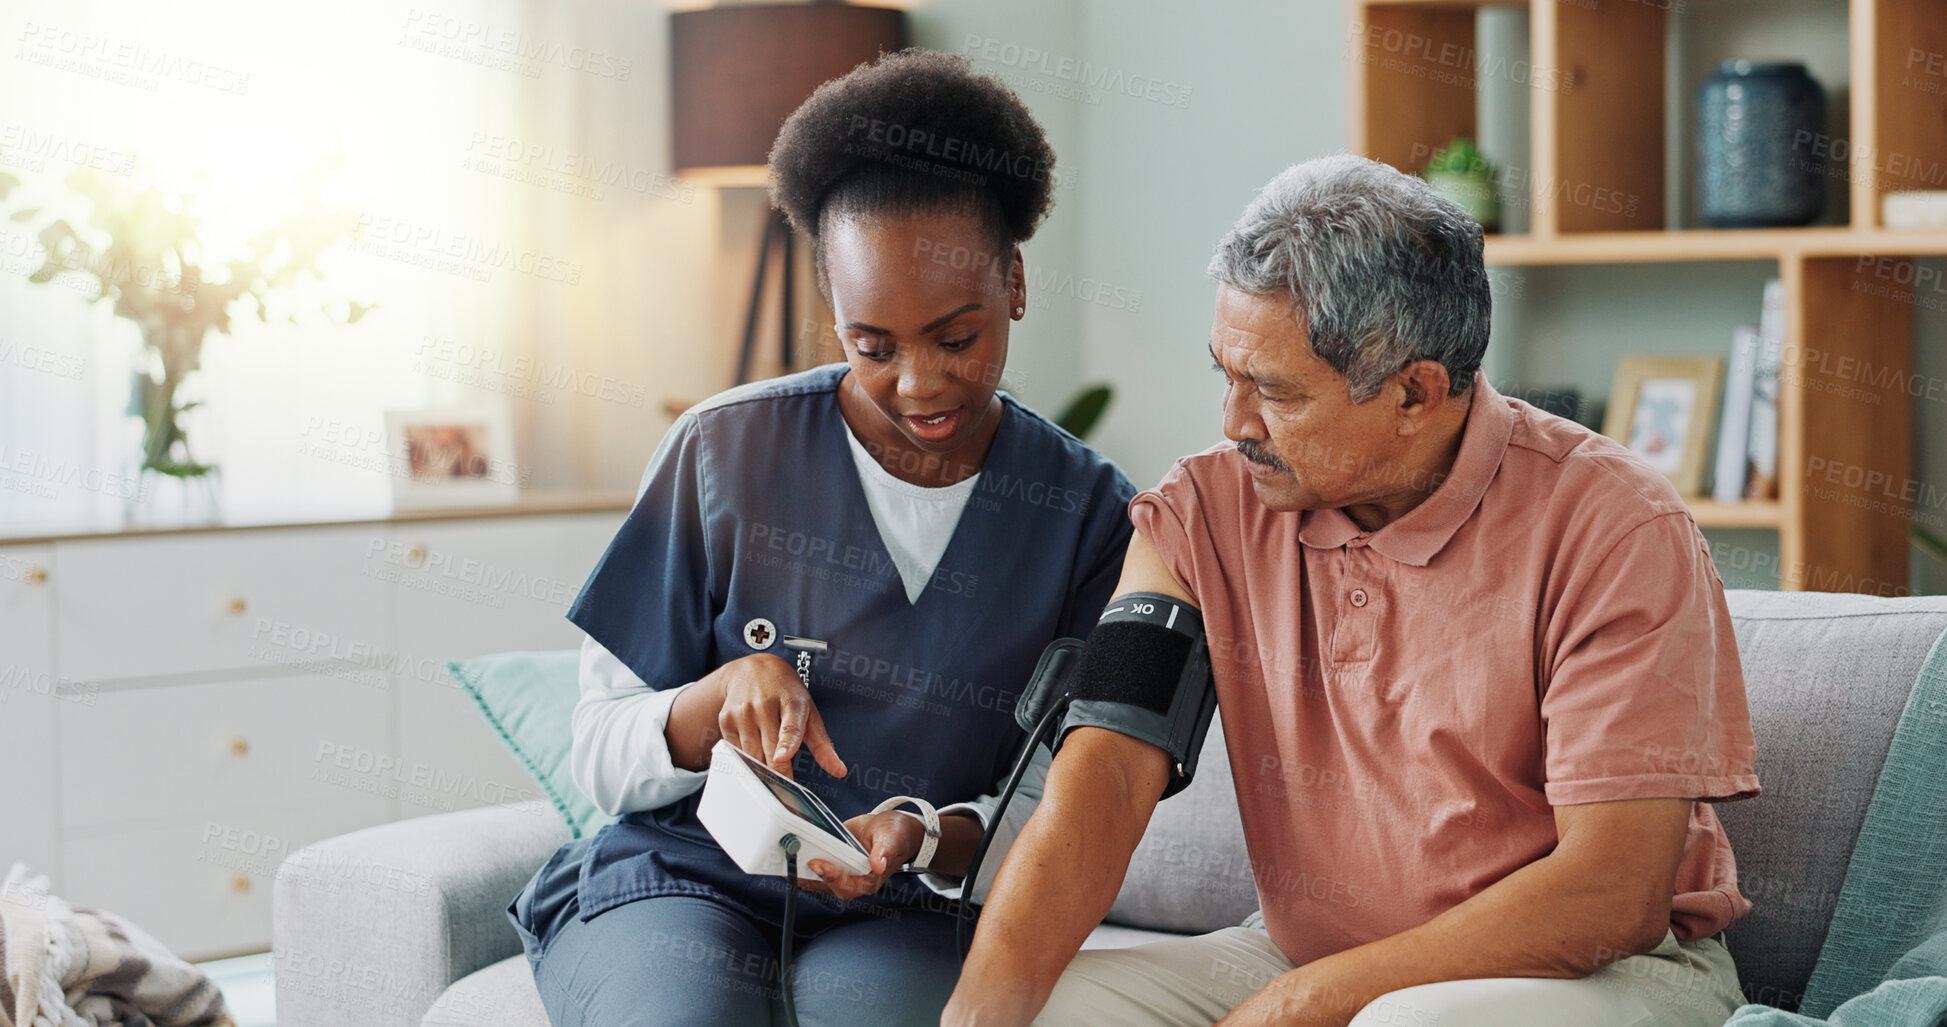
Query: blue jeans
x=693, y=961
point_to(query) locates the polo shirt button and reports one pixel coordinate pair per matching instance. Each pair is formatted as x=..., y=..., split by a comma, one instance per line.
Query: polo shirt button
x=1359, y=597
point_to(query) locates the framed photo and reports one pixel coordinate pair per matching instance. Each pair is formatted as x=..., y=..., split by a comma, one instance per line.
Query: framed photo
x=1664, y=409
x=452, y=456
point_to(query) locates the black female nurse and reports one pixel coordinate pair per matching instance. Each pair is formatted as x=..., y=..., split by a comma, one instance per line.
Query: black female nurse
x=928, y=531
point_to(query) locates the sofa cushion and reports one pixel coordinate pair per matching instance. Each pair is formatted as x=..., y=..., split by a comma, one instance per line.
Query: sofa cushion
x=1827, y=677
x=529, y=698
x=497, y=995
x=1190, y=873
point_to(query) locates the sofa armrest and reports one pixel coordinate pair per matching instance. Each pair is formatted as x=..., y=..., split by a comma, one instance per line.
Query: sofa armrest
x=370, y=927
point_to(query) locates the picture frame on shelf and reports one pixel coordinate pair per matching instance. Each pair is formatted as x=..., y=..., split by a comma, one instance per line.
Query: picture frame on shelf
x=461, y=456
x=1664, y=410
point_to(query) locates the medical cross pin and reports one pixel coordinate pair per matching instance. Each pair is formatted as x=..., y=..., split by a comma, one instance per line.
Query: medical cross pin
x=760, y=633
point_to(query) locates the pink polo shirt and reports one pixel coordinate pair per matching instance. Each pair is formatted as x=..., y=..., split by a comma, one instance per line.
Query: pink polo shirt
x=1404, y=708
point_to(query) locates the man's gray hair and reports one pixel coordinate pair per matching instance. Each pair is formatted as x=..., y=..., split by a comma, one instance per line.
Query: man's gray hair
x=1385, y=270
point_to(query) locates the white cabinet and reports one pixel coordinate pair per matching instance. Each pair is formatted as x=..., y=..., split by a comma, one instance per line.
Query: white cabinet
x=26, y=611
x=202, y=886
x=466, y=590
x=491, y=586
x=29, y=693
x=176, y=604
x=179, y=712
x=184, y=752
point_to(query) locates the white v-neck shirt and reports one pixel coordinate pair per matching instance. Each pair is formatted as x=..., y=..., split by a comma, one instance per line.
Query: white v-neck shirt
x=915, y=522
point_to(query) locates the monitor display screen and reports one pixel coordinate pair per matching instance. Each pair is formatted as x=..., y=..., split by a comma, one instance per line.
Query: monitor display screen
x=801, y=802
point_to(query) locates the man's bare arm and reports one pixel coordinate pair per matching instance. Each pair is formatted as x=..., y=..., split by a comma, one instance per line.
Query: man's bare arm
x=1064, y=870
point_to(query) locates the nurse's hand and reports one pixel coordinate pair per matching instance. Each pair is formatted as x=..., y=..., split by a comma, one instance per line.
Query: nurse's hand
x=891, y=838
x=767, y=712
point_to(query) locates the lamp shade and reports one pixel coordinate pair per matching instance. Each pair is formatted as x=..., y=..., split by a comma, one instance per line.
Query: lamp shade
x=738, y=71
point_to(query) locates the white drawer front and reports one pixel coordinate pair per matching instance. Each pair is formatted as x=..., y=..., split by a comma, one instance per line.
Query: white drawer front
x=27, y=583
x=203, y=886
x=465, y=589
x=29, y=692
x=164, y=754
x=136, y=607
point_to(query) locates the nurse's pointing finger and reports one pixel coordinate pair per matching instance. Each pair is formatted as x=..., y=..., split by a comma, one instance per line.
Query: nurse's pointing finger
x=771, y=740
x=793, y=712
x=820, y=743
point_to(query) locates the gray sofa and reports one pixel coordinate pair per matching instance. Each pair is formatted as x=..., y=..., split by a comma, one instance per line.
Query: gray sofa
x=402, y=924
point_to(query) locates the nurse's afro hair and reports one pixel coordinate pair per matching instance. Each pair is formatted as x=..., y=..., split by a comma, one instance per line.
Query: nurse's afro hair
x=914, y=132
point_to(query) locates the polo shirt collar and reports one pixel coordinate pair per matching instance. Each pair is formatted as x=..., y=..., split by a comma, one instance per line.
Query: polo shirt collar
x=1420, y=535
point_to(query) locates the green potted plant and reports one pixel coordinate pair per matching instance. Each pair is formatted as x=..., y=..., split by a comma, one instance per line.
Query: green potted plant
x=1462, y=174
x=1929, y=543
x=146, y=249
x=1084, y=409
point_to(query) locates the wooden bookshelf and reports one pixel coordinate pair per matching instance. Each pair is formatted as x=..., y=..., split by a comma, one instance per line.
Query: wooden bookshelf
x=1596, y=122
x=1702, y=245
x=1766, y=514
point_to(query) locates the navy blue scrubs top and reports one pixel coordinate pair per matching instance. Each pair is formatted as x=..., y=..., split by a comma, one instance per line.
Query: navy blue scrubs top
x=752, y=507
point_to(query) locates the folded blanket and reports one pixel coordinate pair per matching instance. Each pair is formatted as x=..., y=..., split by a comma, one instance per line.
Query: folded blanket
x=1884, y=963
x=67, y=966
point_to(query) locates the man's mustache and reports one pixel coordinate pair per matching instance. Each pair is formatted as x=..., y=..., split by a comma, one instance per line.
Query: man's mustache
x=1255, y=452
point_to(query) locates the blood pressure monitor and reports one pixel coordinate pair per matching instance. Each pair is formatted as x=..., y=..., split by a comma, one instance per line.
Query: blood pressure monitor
x=749, y=809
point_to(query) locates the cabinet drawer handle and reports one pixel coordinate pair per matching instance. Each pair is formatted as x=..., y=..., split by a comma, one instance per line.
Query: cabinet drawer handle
x=415, y=555
x=239, y=746
x=37, y=575
x=237, y=605
x=239, y=884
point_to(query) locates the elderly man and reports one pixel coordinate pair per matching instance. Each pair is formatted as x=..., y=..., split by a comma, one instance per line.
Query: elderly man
x=1477, y=677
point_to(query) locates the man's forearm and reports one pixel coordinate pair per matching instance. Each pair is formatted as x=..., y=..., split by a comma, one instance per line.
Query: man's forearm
x=1541, y=921
x=1565, y=915
x=1060, y=877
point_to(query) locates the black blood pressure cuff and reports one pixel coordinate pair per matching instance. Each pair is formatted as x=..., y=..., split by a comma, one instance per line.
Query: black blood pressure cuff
x=1145, y=672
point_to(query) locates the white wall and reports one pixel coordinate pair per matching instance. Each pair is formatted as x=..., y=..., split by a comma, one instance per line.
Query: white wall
x=1044, y=362
x=655, y=309
x=1270, y=87
x=1267, y=85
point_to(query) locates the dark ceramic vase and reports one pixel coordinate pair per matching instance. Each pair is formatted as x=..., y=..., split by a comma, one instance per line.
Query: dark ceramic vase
x=1758, y=126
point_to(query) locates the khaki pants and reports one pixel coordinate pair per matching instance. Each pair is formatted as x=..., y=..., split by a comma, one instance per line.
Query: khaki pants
x=1194, y=982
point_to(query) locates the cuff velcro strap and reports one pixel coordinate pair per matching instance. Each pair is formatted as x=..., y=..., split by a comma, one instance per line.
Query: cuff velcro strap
x=1138, y=723
x=1145, y=673
x=929, y=817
